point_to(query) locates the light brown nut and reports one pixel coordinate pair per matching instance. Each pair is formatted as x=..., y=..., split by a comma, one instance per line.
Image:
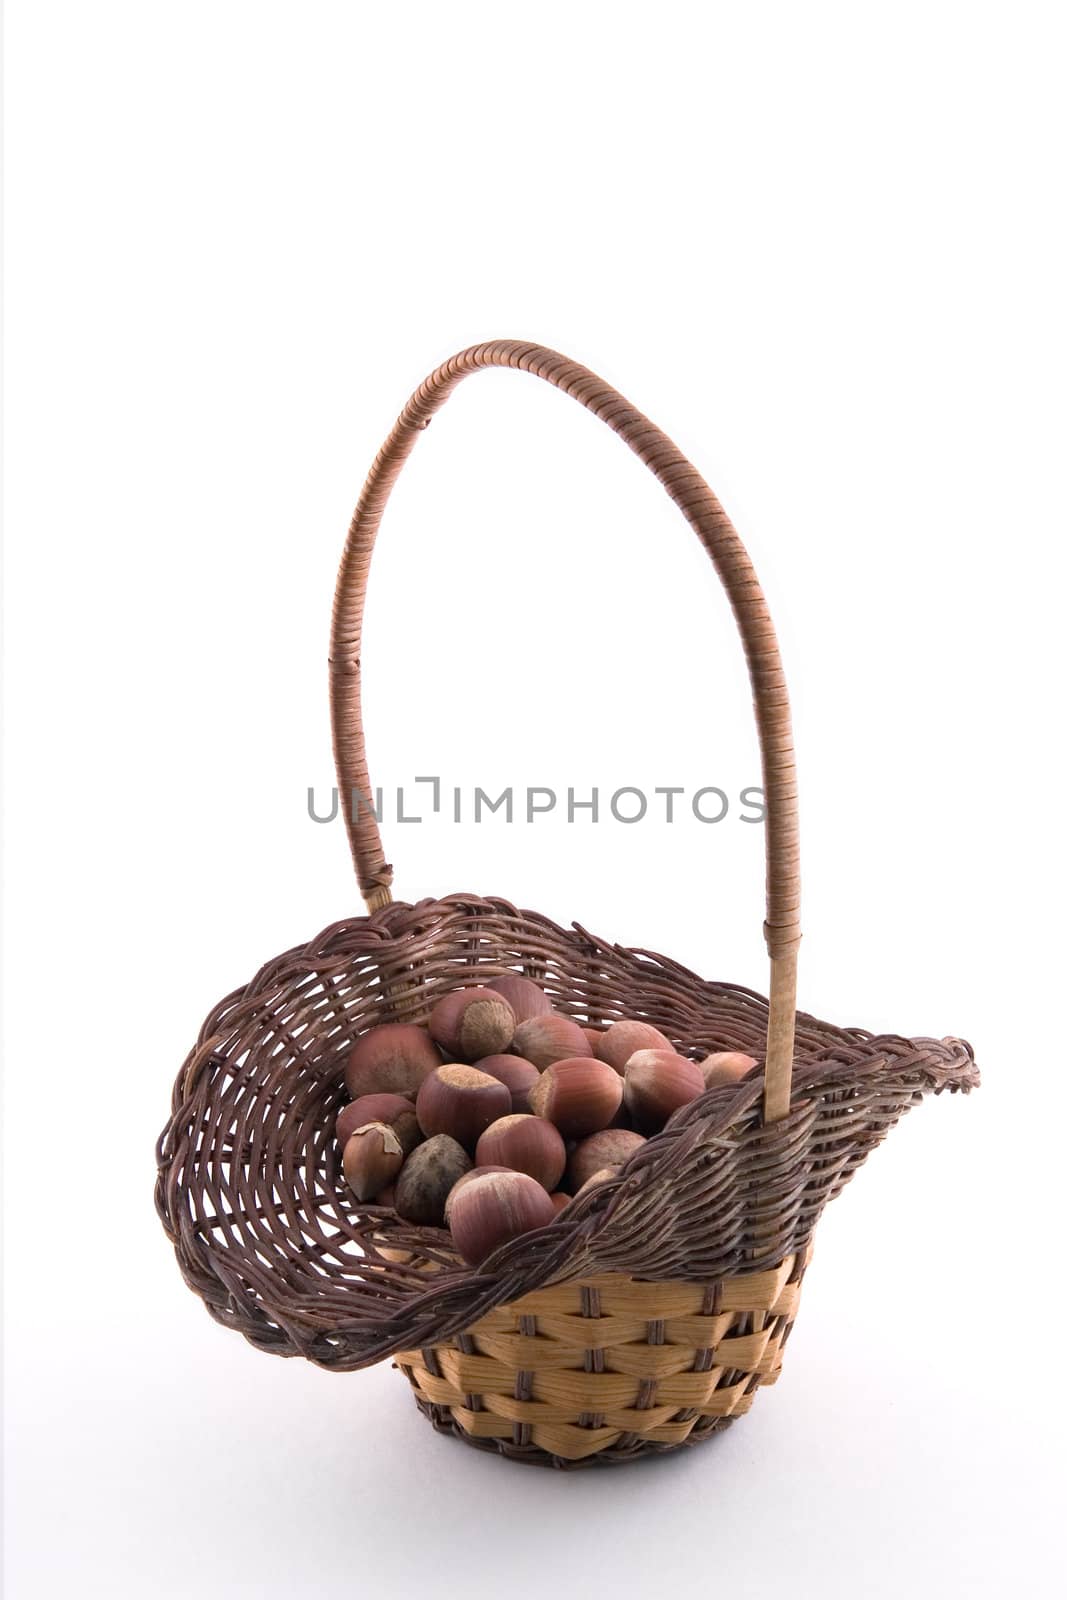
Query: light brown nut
x=472, y=1022
x=611, y=1148
x=524, y=1144
x=373, y=1156
x=395, y=1110
x=544, y=1040
x=493, y=1208
x=526, y=998
x=462, y=1102
x=519, y=1074
x=656, y=1083
x=393, y=1058
x=726, y=1066
x=619, y=1042
x=580, y=1095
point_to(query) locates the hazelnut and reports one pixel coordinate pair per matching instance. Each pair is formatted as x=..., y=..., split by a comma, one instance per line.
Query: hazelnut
x=560, y=1201
x=524, y=1144
x=372, y=1158
x=596, y=1178
x=656, y=1083
x=462, y=1102
x=472, y=1023
x=594, y=1035
x=580, y=1095
x=611, y=1148
x=395, y=1110
x=544, y=1040
x=526, y=998
x=429, y=1173
x=493, y=1208
x=726, y=1066
x=519, y=1075
x=466, y=1178
x=619, y=1042
x=393, y=1058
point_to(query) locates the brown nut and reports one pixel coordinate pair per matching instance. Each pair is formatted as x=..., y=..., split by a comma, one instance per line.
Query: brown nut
x=619, y=1042
x=594, y=1035
x=462, y=1102
x=429, y=1173
x=395, y=1110
x=611, y=1148
x=524, y=1144
x=656, y=1083
x=580, y=1095
x=560, y=1201
x=466, y=1178
x=596, y=1178
x=519, y=1074
x=373, y=1156
x=526, y=998
x=472, y=1023
x=393, y=1058
x=544, y=1040
x=493, y=1208
x=726, y=1066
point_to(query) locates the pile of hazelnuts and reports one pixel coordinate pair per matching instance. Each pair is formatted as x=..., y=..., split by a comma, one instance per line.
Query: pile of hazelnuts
x=495, y=1115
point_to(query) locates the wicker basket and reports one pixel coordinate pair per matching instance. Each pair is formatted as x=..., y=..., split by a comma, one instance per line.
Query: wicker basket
x=650, y=1311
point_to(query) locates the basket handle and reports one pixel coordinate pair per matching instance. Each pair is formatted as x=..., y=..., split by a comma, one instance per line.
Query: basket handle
x=691, y=494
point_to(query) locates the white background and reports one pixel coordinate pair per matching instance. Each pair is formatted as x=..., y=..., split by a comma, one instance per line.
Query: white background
x=821, y=245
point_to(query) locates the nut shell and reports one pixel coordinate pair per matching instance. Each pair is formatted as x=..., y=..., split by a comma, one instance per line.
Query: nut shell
x=544, y=1040
x=493, y=1208
x=526, y=998
x=466, y=1178
x=429, y=1173
x=560, y=1201
x=472, y=1022
x=596, y=1178
x=393, y=1058
x=619, y=1042
x=579, y=1095
x=726, y=1066
x=373, y=1156
x=395, y=1110
x=462, y=1102
x=612, y=1148
x=656, y=1083
x=524, y=1144
x=519, y=1074
x=488, y=1027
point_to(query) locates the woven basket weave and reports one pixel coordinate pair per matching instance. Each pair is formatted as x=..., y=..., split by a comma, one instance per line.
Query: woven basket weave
x=652, y=1309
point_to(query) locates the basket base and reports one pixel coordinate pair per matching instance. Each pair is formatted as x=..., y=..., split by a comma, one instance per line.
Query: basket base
x=611, y=1369
x=531, y=1455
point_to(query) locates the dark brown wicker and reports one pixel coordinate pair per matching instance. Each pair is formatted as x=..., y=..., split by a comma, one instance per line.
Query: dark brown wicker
x=649, y=1312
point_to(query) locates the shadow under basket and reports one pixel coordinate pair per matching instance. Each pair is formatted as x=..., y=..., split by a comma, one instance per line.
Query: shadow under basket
x=649, y=1312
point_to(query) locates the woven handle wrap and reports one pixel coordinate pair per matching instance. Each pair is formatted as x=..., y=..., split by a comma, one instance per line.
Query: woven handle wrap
x=691, y=494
